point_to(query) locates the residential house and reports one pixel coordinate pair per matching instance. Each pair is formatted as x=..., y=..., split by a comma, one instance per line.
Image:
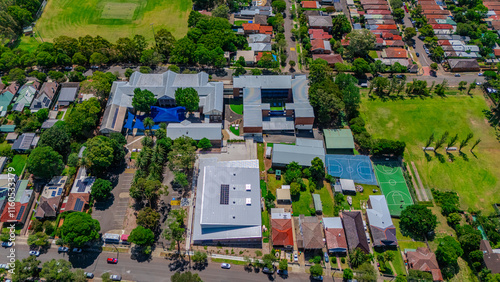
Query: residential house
x=5, y=100
x=303, y=152
x=249, y=56
x=274, y=103
x=310, y=4
x=68, y=93
x=320, y=46
x=339, y=141
x=260, y=19
x=283, y=196
x=258, y=38
x=45, y=96
x=196, y=131
x=423, y=259
x=319, y=34
x=260, y=47
x=394, y=53
x=281, y=229
x=320, y=22
x=461, y=65
x=7, y=181
x=228, y=206
x=50, y=198
x=331, y=59
x=25, y=142
x=11, y=137
x=336, y=242
x=251, y=28
x=7, y=128
x=491, y=256
x=163, y=86
x=26, y=95
x=79, y=196
x=379, y=218
x=311, y=233
x=252, y=11
x=18, y=213
x=3, y=162
x=354, y=230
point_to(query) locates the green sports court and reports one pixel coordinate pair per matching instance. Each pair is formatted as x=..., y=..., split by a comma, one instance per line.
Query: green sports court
x=392, y=182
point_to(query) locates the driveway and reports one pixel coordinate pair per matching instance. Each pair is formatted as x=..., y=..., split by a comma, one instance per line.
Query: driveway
x=111, y=213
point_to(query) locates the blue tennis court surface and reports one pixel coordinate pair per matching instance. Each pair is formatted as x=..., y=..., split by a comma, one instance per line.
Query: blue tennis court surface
x=358, y=168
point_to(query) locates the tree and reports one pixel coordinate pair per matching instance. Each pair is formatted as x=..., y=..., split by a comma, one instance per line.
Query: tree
x=293, y=172
x=175, y=234
x=465, y=142
x=316, y=270
x=441, y=141
x=199, y=257
x=398, y=14
x=283, y=265
x=360, y=66
x=26, y=269
x=164, y=42
x=357, y=257
x=434, y=66
x=294, y=189
x=79, y=59
x=317, y=169
x=461, y=85
x=151, y=57
x=348, y=274
x=341, y=26
x=38, y=239
x=204, y=144
x=475, y=144
x=148, y=218
x=82, y=120
x=56, y=137
x=79, y=228
x=149, y=123
x=99, y=154
x=185, y=277
x=183, y=154
x=448, y=252
x=79, y=276
x=141, y=236
x=147, y=189
x=42, y=115
x=143, y=100
x=418, y=220
x=99, y=83
x=183, y=51
x=44, y=162
x=57, y=271
x=279, y=6
x=101, y=189
x=188, y=98
x=98, y=59
x=360, y=42
x=410, y=32
x=221, y=11
x=452, y=142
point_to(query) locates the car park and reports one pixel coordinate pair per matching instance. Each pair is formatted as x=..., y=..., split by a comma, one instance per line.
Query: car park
x=63, y=249
x=34, y=253
x=7, y=244
x=115, y=277
x=225, y=266
x=89, y=275
x=112, y=260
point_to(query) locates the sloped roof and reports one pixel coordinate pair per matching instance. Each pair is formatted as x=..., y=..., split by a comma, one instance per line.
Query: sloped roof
x=490, y=256
x=330, y=58
x=303, y=155
x=282, y=232
x=196, y=131
x=379, y=218
x=334, y=233
x=460, y=64
x=312, y=234
x=322, y=21
x=24, y=141
x=309, y=4
x=424, y=260
x=354, y=230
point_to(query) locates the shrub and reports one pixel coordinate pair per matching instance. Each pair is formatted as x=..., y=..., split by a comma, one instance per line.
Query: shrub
x=342, y=259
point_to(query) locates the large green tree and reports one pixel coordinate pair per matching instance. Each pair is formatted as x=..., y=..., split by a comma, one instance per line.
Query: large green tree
x=164, y=42
x=143, y=100
x=447, y=254
x=185, y=277
x=141, y=236
x=148, y=218
x=79, y=228
x=26, y=269
x=57, y=271
x=38, y=239
x=418, y=220
x=188, y=98
x=56, y=137
x=360, y=42
x=183, y=154
x=99, y=154
x=341, y=26
x=317, y=169
x=44, y=162
x=82, y=120
x=101, y=189
x=99, y=83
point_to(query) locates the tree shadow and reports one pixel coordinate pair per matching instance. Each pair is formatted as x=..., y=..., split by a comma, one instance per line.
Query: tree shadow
x=450, y=156
x=464, y=156
x=440, y=157
x=200, y=266
x=84, y=259
x=427, y=156
x=472, y=152
x=493, y=118
x=177, y=262
x=104, y=205
x=139, y=255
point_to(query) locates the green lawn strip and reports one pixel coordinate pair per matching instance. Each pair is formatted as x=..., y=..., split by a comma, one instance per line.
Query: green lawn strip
x=260, y=155
x=326, y=200
x=17, y=228
x=28, y=43
x=406, y=242
x=273, y=184
x=302, y=204
x=373, y=54
x=239, y=23
x=363, y=197
x=473, y=177
x=237, y=108
x=18, y=163
x=276, y=108
x=397, y=262
x=230, y=261
x=234, y=130
x=59, y=115
x=270, y=145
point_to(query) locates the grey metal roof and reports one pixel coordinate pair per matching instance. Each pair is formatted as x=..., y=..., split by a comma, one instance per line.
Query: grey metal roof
x=259, y=38
x=49, y=123
x=322, y=21
x=285, y=154
x=277, y=123
x=379, y=215
x=347, y=185
x=307, y=142
x=24, y=141
x=318, y=205
x=196, y=131
x=260, y=47
x=332, y=222
x=240, y=218
x=252, y=116
x=263, y=81
x=67, y=94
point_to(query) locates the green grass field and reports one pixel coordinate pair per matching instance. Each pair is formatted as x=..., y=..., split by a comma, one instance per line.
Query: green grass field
x=18, y=163
x=393, y=185
x=113, y=19
x=303, y=204
x=326, y=201
x=473, y=177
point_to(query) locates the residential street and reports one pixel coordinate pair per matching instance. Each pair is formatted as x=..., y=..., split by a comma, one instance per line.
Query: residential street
x=290, y=51
x=157, y=269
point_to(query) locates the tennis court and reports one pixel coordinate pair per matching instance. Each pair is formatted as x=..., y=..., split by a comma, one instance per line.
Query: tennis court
x=393, y=185
x=358, y=168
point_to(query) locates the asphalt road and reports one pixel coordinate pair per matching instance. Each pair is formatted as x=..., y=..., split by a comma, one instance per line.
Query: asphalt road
x=156, y=269
x=291, y=45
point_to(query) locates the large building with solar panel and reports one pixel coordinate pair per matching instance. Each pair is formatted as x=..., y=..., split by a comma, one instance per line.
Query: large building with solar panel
x=50, y=198
x=163, y=86
x=228, y=207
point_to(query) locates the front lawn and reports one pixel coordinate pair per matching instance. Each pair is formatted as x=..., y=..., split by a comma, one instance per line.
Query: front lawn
x=302, y=204
x=475, y=177
x=406, y=242
x=239, y=23
x=18, y=163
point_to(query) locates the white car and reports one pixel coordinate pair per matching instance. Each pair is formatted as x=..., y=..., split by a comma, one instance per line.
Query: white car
x=115, y=277
x=34, y=253
x=480, y=74
x=478, y=83
x=225, y=266
x=295, y=257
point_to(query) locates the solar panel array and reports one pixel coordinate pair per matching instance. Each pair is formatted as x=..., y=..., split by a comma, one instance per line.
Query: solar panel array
x=53, y=194
x=20, y=214
x=81, y=186
x=224, y=194
x=59, y=191
x=79, y=205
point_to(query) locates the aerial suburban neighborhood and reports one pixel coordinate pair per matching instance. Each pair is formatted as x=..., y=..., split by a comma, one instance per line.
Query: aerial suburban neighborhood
x=240, y=140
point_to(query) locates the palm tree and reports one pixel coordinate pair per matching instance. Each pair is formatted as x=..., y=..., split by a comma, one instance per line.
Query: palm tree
x=357, y=257
x=149, y=123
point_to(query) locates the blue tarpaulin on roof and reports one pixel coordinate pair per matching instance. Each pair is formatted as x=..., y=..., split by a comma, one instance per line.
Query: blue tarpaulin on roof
x=130, y=121
x=176, y=114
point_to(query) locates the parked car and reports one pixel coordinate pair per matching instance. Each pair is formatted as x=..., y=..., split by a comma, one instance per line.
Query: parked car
x=77, y=250
x=115, y=277
x=267, y=270
x=283, y=273
x=34, y=253
x=480, y=74
x=457, y=75
x=327, y=259
x=89, y=275
x=318, y=278
x=7, y=244
x=295, y=256
x=113, y=260
x=225, y=266
x=418, y=54
x=478, y=83
x=63, y=249
x=4, y=266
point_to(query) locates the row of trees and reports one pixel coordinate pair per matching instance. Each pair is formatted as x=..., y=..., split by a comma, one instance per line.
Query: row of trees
x=53, y=270
x=14, y=16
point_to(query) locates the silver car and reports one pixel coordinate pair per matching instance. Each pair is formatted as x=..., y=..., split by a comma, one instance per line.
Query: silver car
x=116, y=277
x=225, y=266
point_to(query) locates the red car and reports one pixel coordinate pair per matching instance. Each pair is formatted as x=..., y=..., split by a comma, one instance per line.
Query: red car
x=113, y=260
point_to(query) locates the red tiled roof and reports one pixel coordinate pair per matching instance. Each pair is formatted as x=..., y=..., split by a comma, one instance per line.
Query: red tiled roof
x=396, y=53
x=309, y=4
x=12, y=214
x=344, y=42
x=266, y=29
x=424, y=260
x=317, y=44
x=250, y=26
x=282, y=232
x=379, y=41
x=497, y=52
x=319, y=34
x=70, y=205
x=442, y=26
x=378, y=12
x=387, y=27
x=444, y=43
x=330, y=58
x=335, y=238
x=397, y=37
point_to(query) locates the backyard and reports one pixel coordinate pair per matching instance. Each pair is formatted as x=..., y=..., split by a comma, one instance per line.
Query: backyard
x=113, y=19
x=474, y=176
x=302, y=204
x=17, y=164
